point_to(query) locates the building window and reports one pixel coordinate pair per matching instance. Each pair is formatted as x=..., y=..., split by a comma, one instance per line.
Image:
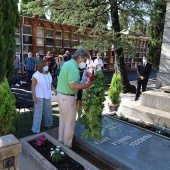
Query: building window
x=66, y=39
x=49, y=38
x=17, y=30
x=66, y=43
x=40, y=32
x=74, y=36
x=58, y=43
x=27, y=39
x=74, y=40
x=40, y=50
x=49, y=33
x=58, y=35
x=27, y=30
x=67, y=35
x=74, y=44
x=18, y=48
x=49, y=42
x=17, y=39
x=27, y=48
x=81, y=38
x=40, y=41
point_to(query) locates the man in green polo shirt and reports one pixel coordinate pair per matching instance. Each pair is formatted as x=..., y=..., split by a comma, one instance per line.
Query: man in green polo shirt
x=67, y=87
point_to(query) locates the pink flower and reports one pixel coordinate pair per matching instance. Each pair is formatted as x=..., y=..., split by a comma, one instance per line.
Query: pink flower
x=44, y=139
x=39, y=143
x=41, y=137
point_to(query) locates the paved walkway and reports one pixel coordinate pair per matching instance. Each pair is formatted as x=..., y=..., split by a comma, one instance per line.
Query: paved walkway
x=26, y=163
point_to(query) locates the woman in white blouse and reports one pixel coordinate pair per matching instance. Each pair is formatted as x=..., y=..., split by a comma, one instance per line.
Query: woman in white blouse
x=98, y=63
x=89, y=63
x=41, y=90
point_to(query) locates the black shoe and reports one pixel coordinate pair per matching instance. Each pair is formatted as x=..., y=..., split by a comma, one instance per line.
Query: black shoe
x=34, y=132
x=136, y=99
x=48, y=127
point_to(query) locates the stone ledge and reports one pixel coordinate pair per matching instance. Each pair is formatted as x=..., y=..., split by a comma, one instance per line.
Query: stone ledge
x=165, y=89
x=151, y=115
x=9, y=147
x=42, y=162
x=8, y=140
x=157, y=100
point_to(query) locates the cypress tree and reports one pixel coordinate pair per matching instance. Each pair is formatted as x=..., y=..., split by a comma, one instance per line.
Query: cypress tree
x=156, y=28
x=9, y=19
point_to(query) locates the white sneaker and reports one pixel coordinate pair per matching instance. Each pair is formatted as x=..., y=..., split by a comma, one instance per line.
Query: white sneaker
x=17, y=85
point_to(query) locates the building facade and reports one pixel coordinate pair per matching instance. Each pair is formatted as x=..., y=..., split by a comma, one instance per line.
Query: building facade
x=39, y=36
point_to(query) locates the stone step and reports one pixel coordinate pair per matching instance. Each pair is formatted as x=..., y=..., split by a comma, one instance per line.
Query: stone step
x=156, y=99
x=144, y=113
x=165, y=89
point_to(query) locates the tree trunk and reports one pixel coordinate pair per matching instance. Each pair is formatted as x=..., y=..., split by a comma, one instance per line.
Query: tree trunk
x=127, y=87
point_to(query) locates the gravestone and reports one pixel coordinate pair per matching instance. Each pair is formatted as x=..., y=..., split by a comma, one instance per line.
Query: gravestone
x=125, y=146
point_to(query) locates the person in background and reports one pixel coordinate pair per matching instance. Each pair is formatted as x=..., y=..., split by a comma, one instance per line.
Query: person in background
x=38, y=58
x=143, y=72
x=51, y=61
x=67, y=87
x=30, y=66
x=41, y=89
x=61, y=61
x=79, y=103
x=67, y=56
x=89, y=63
x=17, y=67
x=57, y=67
x=98, y=63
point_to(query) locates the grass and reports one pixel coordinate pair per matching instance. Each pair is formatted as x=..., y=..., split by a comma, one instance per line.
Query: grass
x=24, y=123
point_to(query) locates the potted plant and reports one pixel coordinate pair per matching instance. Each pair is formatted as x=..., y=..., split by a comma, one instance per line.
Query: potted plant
x=114, y=91
x=8, y=113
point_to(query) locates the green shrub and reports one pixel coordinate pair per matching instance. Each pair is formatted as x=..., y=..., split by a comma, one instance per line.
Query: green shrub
x=93, y=104
x=115, y=89
x=8, y=114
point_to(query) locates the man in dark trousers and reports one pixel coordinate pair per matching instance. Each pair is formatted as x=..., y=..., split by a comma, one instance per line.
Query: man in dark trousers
x=143, y=72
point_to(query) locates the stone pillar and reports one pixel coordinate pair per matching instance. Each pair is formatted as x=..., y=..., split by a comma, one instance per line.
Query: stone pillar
x=163, y=76
x=9, y=147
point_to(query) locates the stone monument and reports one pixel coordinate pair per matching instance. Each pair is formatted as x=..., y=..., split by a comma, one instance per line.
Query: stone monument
x=163, y=75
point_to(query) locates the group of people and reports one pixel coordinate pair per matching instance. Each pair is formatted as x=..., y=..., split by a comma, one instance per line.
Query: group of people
x=66, y=91
x=72, y=75
x=68, y=88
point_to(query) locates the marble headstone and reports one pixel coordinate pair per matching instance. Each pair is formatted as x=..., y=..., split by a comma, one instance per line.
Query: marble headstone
x=127, y=147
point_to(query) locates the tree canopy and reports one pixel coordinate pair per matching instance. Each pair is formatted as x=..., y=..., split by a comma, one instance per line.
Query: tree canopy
x=97, y=14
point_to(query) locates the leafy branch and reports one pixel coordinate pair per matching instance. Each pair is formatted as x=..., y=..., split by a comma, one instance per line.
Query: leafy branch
x=93, y=105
